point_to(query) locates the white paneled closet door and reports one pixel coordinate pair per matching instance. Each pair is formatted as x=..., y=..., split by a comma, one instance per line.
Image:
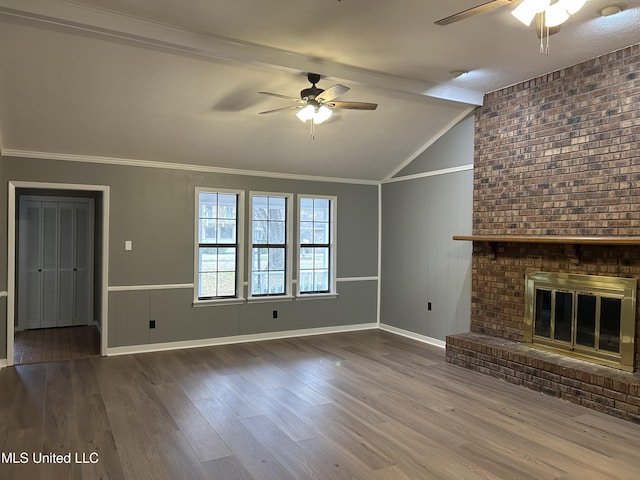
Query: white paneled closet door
x=55, y=262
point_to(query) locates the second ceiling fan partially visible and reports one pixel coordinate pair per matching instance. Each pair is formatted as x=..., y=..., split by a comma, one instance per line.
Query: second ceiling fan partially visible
x=548, y=14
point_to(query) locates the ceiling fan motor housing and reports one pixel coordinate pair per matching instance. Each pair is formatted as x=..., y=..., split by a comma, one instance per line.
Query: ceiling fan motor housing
x=310, y=93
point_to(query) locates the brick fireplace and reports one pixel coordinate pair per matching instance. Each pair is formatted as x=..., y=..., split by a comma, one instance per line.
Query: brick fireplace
x=556, y=156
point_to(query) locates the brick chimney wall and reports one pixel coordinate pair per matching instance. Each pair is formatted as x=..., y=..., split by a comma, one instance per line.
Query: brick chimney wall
x=556, y=155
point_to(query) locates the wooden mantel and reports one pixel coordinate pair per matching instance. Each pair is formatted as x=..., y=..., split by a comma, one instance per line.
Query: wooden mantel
x=573, y=241
x=557, y=239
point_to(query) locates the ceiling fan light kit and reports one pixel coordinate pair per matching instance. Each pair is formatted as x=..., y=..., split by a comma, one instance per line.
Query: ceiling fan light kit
x=317, y=114
x=555, y=13
x=528, y=9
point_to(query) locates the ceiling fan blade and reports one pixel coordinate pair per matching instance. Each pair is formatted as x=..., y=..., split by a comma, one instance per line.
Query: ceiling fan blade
x=292, y=107
x=286, y=97
x=332, y=92
x=469, y=12
x=352, y=105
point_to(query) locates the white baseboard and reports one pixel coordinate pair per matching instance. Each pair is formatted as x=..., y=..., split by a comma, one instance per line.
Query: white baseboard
x=415, y=336
x=258, y=337
x=3, y=363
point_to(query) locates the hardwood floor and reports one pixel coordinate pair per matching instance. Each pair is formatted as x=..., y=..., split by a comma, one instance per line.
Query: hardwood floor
x=363, y=405
x=52, y=344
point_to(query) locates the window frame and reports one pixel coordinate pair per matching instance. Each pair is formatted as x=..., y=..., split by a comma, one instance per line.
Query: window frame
x=288, y=268
x=332, y=263
x=239, y=245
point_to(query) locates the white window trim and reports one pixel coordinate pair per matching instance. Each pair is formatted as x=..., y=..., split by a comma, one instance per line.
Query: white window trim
x=289, y=245
x=333, y=230
x=240, y=258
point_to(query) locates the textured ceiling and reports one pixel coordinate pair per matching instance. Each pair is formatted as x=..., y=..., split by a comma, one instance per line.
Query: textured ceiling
x=176, y=81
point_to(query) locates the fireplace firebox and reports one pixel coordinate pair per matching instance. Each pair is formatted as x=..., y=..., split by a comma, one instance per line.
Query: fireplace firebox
x=590, y=317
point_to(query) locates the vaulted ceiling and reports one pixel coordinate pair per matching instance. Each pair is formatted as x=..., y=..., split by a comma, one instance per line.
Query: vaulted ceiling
x=177, y=81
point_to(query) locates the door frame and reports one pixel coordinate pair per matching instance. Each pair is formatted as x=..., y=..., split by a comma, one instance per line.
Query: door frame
x=11, y=256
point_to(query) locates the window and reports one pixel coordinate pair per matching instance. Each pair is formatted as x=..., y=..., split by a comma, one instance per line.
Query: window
x=218, y=256
x=270, y=252
x=316, y=262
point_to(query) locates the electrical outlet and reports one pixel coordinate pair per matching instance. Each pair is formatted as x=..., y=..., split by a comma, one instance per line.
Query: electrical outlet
x=429, y=306
x=275, y=314
x=152, y=324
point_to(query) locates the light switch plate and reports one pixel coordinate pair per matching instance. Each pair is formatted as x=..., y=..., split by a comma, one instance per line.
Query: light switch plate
x=128, y=245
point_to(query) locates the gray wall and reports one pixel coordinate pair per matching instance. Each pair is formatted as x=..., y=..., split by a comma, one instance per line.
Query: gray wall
x=453, y=149
x=420, y=261
x=155, y=209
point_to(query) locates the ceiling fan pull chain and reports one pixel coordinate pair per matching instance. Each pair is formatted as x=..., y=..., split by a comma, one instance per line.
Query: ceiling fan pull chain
x=542, y=21
x=547, y=51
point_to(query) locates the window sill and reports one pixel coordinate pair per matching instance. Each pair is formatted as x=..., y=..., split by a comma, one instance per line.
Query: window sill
x=316, y=296
x=220, y=301
x=270, y=299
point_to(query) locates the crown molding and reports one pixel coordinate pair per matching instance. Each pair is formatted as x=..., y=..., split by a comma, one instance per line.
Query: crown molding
x=129, y=162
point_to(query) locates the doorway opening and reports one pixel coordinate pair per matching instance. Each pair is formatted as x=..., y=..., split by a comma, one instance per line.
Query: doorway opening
x=57, y=293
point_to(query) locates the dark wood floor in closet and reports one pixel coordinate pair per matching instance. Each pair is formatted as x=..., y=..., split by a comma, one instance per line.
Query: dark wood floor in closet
x=363, y=405
x=52, y=344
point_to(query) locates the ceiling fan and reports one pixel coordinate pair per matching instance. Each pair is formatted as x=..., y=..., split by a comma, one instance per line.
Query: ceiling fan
x=548, y=14
x=316, y=104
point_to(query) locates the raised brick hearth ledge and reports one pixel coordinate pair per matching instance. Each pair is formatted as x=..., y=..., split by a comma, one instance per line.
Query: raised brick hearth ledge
x=605, y=389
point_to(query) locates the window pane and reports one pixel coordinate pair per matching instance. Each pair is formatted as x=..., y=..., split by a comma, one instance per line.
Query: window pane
x=277, y=233
x=321, y=281
x=276, y=258
x=306, y=232
x=610, y=311
x=226, y=259
x=208, y=259
x=277, y=208
x=207, y=231
x=208, y=205
x=321, y=210
x=306, y=280
x=260, y=208
x=564, y=302
x=227, y=284
x=227, y=205
x=207, y=283
x=321, y=258
x=259, y=283
x=226, y=231
x=259, y=259
x=306, y=258
x=321, y=233
x=306, y=209
x=276, y=283
x=260, y=229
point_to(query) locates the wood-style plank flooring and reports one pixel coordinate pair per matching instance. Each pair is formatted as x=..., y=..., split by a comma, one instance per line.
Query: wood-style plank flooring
x=363, y=405
x=53, y=344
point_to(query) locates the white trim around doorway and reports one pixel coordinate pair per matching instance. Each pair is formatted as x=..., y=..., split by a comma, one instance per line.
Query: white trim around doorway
x=11, y=256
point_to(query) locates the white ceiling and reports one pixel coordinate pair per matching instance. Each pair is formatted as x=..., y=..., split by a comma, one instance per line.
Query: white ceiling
x=176, y=81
